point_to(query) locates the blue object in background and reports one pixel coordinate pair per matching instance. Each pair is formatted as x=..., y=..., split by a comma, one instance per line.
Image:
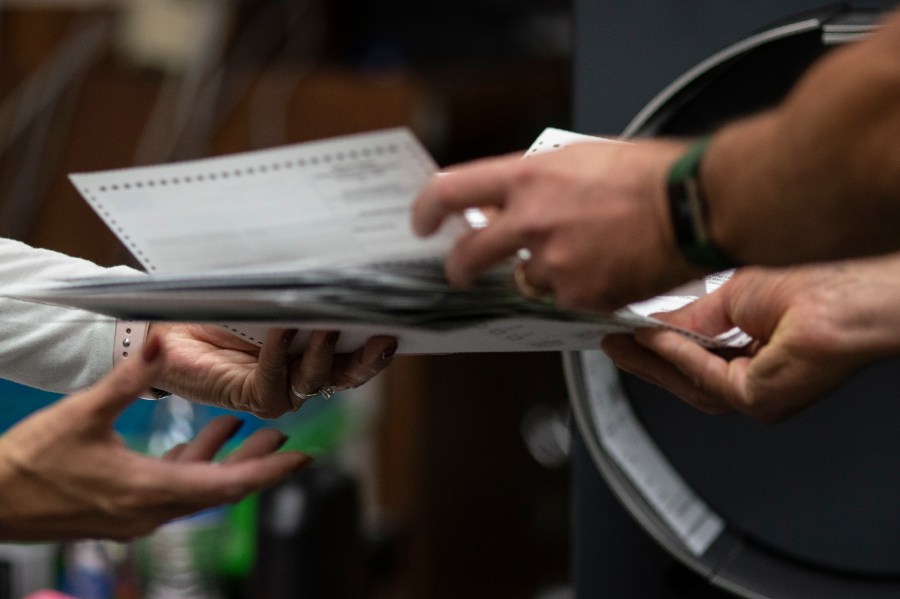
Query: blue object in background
x=18, y=401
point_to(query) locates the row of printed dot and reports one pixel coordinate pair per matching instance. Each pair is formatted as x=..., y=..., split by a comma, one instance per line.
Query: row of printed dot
x=250, y=170
x=122, y=233
x=242, y=334
x=537, y=147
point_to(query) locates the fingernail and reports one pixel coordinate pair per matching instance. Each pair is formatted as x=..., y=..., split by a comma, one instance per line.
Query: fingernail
x=151, y=350
x=332, y=338
x=287, y=338
x=389, y=353
x=306, y=461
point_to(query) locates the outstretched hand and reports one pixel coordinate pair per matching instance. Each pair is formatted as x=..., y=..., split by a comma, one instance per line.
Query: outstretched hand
x=207, y=364
x=66, y=473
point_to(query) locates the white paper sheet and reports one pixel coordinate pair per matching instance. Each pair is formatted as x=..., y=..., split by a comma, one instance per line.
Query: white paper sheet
x=339, y=200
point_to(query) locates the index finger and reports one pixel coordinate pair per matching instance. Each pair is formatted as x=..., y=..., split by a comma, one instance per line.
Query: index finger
x=631, y=357
x=721, y=378
x=480, y=183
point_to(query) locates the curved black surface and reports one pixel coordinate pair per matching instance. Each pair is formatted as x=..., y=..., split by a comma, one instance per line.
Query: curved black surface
x=822, y=487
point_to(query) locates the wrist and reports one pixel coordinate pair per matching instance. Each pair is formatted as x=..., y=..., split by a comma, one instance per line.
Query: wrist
x=689, y=211
x=742, y=185
x=867, y=304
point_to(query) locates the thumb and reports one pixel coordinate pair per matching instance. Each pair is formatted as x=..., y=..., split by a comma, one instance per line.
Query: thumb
x=121, y=387
x=707, y=315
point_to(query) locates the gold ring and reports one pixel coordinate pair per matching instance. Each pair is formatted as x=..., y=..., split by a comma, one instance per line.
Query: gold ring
x=525, y=288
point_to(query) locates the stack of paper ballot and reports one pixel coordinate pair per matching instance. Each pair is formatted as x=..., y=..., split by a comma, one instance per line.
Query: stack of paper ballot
x=317, y=236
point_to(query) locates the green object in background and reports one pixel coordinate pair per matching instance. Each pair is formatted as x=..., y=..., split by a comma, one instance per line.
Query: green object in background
x=239, y=544
x=318, y=429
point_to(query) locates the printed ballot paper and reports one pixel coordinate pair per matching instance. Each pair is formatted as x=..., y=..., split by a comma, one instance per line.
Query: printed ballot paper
x=317, y=236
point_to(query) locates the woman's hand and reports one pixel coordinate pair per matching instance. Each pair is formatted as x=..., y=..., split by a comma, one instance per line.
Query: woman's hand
x=65, y=472
x=207, y=364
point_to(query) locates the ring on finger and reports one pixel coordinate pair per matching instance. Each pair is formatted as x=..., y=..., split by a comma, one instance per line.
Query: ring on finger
x=524, y=287
x=302, y=396
x=328, y=391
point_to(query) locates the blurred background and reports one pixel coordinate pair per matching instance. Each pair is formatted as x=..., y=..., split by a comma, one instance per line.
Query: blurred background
x=445, y=477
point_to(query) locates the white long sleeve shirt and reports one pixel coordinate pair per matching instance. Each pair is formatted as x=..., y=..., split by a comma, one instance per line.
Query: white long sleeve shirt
x=50, y=347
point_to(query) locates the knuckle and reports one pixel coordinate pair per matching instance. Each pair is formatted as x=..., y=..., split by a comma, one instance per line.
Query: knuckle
x=360, y=378
x=556, y=258
x=526, y=172
x=443, y=191
x=271, y=377
x=270, y=412
x=532, y=221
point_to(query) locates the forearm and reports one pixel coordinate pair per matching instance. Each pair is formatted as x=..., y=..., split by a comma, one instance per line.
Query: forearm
x=864, y=299
x=44, y=346
x=819, y=176
x=827, y=313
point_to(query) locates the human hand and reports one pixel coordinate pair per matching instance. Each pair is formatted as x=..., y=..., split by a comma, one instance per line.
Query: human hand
x=65, y=472
x=813, y=328
x=594, y=217
x=207, y=364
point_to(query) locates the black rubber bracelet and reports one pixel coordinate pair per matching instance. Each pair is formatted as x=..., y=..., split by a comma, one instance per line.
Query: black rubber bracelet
x=687, y=208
